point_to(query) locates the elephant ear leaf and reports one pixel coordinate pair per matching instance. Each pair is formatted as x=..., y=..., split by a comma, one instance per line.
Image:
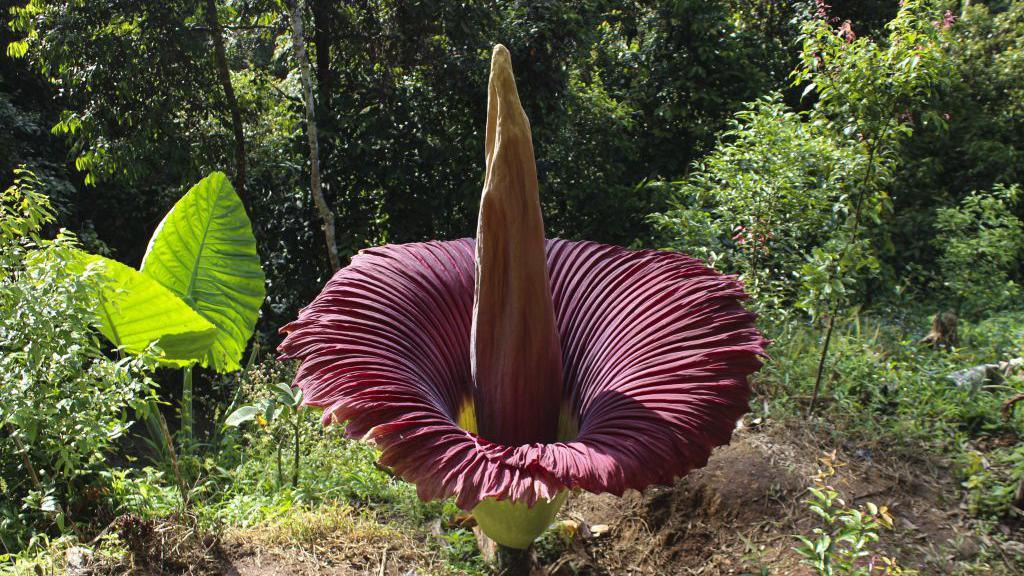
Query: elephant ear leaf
x=205, y=252
x=136, y=311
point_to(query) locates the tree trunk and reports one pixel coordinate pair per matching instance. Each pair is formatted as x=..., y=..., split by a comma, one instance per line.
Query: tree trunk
x=868, y=173
x=325, y=22
x=323, y=38
x=224, y=75
x=821, y=362
x=326, y=216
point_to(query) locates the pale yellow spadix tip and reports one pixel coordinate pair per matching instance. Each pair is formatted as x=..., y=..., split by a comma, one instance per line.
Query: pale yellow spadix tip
x=502, y=79
x=503, y=105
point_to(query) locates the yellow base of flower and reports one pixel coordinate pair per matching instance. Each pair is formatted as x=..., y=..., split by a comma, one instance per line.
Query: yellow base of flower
x=513, y=524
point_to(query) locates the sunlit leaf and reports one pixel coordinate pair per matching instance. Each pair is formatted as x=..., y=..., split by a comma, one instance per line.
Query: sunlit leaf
x=137, y=311
x=205, y=252
x=241, y=416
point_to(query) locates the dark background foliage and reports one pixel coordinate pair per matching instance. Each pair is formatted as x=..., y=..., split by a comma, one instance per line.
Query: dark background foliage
x=619, y=93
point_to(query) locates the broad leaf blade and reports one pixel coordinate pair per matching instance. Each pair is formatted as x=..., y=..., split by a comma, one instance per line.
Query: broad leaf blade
x=205, y=251
x=136, y=311
x=242, y=415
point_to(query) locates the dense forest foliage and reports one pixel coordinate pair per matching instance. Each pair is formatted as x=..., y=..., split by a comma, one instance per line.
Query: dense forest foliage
x=858, y=159
x=119, y=106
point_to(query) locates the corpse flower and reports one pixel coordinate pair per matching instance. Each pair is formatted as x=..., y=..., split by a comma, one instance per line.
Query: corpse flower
x=509, y=369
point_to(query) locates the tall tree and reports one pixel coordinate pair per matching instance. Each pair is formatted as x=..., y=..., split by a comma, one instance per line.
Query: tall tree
x=326, y=215
x=224, y=76
x=324, y=30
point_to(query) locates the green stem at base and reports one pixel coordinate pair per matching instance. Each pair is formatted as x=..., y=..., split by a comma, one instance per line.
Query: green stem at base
x=295, y=467
x=280, y=473
x=513, y=561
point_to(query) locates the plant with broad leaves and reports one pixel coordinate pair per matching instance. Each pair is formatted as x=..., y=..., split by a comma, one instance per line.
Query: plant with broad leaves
x=204, y=251
x=285, y=403
x=198, y=294
x=200, y=287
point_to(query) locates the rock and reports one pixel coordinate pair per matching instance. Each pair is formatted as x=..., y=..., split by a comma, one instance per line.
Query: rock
x=77, y=559
x=966, y=548
x=1013, y=547
x=977, y=376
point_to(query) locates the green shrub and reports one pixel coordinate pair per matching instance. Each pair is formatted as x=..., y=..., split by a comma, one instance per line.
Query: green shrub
x=992, y=480
x=973, y=138
x=770, y=193
x=847, y=542
x=63, y=403
x=995, y=338
x=981, y=242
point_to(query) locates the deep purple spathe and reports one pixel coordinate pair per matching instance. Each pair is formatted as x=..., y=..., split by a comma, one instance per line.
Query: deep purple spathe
x=656, y=351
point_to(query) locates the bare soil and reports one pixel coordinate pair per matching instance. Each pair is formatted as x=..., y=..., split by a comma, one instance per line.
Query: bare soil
x=739, y=513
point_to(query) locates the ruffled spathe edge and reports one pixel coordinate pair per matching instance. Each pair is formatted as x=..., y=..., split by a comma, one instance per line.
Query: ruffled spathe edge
x=656, y=350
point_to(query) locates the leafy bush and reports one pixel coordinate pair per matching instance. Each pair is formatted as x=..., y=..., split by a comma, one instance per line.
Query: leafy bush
x=63, y=403
x=771, y=192
x=869, y=91
x=994, y=338
x=992, y=480
x=980, y=243
x=974, y=136
x=802, y=195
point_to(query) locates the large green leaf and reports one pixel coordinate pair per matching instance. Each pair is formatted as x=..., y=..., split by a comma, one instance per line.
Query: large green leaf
x=205, y=252
x=136, y=311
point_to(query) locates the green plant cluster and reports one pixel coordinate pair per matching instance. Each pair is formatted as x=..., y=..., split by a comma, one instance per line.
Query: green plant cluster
x=846, y=545
x=63, y=403
x=980, y=243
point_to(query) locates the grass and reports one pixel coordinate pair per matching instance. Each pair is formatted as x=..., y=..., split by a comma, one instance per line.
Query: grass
x=883, y=389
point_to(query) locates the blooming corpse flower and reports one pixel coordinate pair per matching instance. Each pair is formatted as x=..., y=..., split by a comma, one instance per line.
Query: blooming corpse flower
x=508, y=369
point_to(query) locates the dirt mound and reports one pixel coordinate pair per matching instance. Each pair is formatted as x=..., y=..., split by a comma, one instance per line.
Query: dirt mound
x=738, y=514
x=691, y=525
x=742, y=485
